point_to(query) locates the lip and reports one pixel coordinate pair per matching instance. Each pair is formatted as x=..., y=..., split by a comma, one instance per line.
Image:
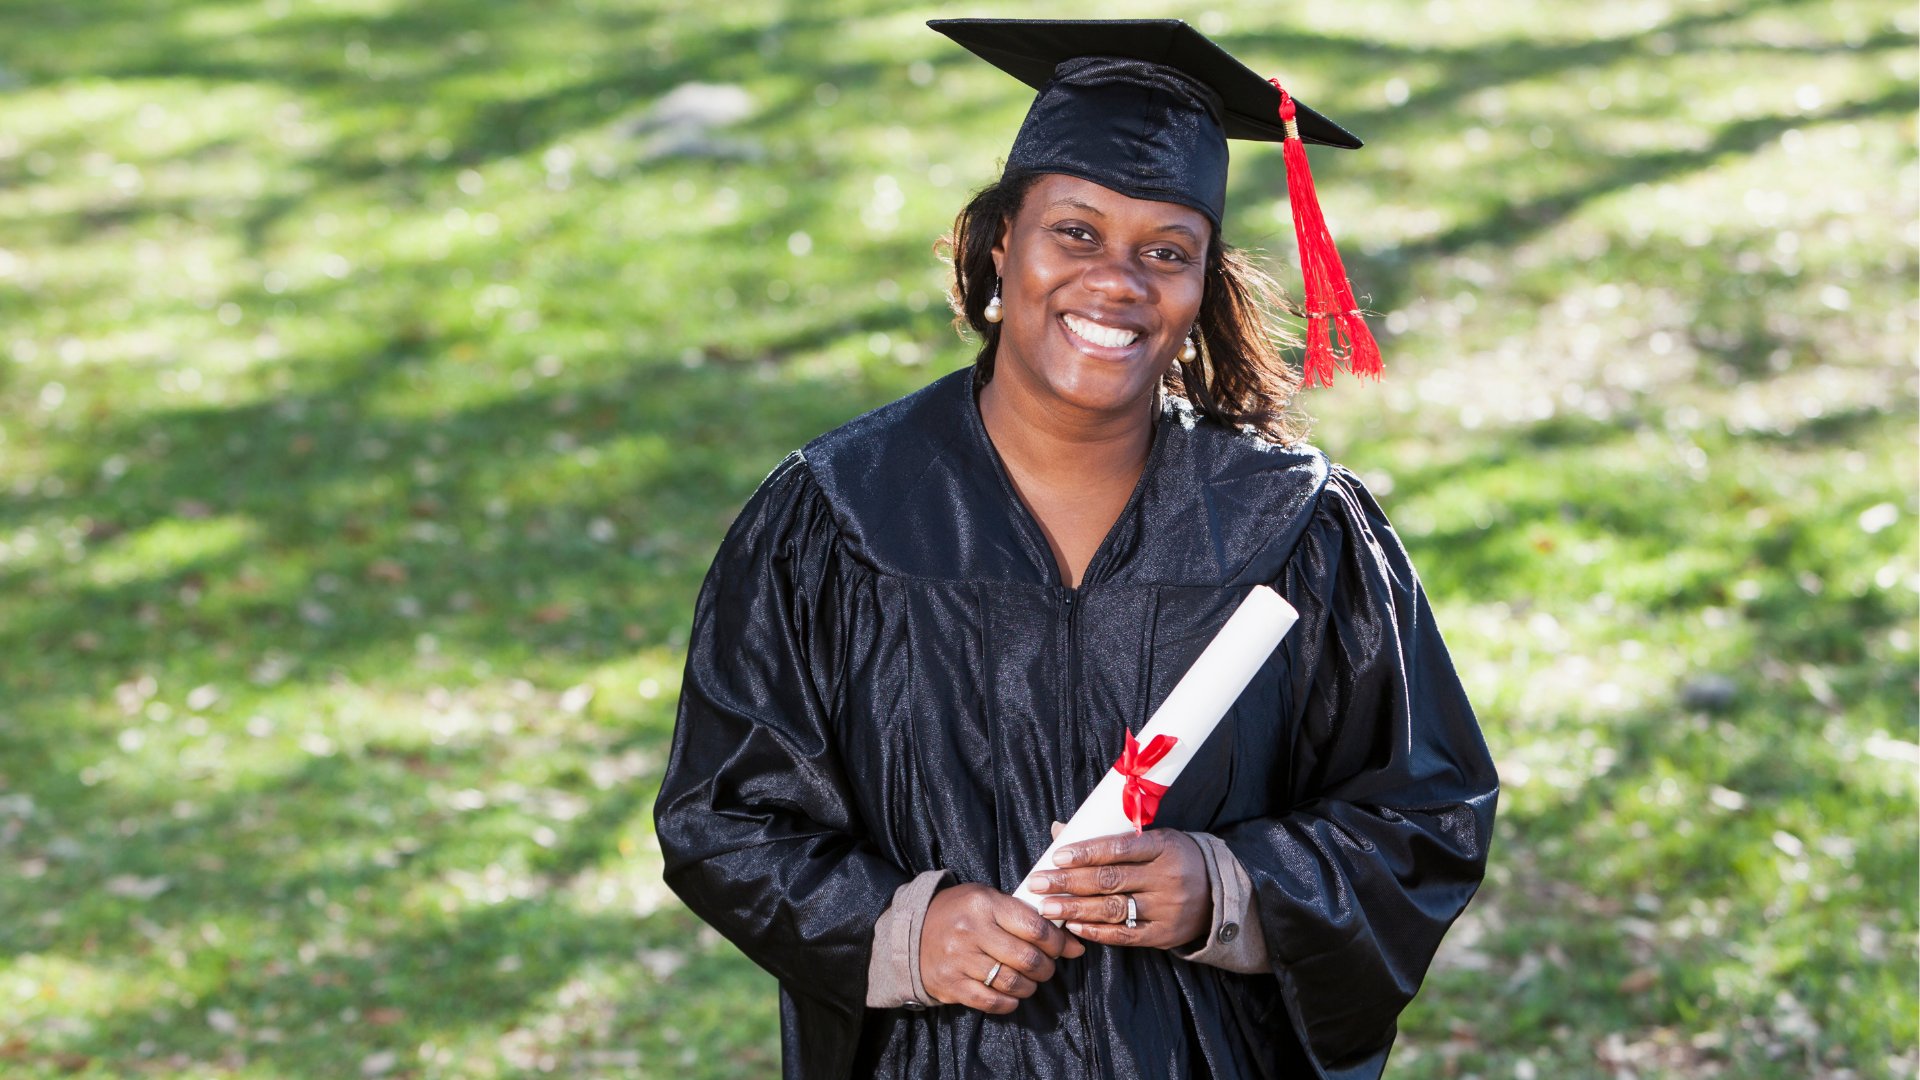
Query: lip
x=1103, y=352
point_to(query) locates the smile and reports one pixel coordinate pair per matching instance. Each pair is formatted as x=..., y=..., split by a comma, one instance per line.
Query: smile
x=1106, y=337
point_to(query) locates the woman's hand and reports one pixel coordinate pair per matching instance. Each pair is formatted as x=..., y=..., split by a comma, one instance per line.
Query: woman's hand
x=969, y=929
x=1162, y=870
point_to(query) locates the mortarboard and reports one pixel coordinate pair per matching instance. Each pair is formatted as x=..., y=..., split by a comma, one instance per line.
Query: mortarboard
x=1145, y=107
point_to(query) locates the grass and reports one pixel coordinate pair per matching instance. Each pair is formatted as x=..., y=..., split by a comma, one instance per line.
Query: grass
x=376, y=380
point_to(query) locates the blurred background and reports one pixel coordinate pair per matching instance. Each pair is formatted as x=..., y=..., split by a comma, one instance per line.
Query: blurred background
x=378, y=377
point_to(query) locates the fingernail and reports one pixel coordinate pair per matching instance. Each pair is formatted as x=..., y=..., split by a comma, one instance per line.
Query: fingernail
x=1038, y=883
x=1078, y=928
x=1051, y=908
x=1066, y=856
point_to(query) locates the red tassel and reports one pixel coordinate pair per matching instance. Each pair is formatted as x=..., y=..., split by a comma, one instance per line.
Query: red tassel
x=1337, y=334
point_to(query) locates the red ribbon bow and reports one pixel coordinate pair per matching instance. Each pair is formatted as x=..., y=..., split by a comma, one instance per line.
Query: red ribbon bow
x=1140, y=799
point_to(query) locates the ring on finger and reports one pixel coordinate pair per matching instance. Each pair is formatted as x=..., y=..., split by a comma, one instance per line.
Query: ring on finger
x=992, y=974
x=1133, y=913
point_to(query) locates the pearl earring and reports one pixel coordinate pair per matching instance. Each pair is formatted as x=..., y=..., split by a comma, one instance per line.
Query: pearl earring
x=1190, y=350
x=992, y=313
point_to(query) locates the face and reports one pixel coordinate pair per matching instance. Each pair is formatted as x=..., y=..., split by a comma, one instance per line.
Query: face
x=1098, y=290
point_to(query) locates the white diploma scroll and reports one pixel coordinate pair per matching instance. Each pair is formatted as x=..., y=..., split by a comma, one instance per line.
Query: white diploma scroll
x=1195, y=707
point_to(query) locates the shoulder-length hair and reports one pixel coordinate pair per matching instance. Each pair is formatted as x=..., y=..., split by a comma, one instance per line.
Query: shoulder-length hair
x=1241, y=378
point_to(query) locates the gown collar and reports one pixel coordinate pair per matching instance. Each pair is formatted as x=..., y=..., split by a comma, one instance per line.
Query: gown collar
x=1029, y=525
x=917, y=490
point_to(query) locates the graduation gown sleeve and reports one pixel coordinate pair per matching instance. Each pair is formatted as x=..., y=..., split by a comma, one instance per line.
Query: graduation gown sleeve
x=755, y=818
x=1393, y=792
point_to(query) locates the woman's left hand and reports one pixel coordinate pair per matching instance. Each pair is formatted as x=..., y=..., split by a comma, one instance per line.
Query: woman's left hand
x=1162, y=870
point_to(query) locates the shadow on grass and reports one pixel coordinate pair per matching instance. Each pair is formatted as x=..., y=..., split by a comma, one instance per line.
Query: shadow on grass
x=455, y=977
x=297, y=467
x=1674, y=873
x=436, y=93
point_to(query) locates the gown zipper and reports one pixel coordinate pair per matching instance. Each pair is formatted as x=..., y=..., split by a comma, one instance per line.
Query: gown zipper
x=1069, y=596
x=1071, y=714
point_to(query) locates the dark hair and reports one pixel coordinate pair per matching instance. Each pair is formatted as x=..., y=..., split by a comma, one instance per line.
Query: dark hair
x=1241, y=377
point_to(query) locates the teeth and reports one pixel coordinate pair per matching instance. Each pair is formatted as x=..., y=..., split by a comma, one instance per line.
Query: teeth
x=1107, y=336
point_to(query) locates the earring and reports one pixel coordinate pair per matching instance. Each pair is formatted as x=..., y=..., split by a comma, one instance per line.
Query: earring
x=1190, y=350
x=992, y=313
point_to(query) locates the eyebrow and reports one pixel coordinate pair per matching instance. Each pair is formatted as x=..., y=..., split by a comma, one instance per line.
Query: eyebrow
x=1077, y=204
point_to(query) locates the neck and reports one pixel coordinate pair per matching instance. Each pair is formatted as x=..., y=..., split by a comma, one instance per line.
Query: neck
x=1055, y=443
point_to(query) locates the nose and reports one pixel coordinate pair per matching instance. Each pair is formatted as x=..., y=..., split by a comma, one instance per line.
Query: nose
x=1119, y=278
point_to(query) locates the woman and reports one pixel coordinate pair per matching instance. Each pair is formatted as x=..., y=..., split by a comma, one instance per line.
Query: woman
x=930, y=632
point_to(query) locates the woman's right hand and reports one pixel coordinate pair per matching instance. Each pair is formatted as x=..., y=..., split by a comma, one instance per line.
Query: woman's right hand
x=968, y=929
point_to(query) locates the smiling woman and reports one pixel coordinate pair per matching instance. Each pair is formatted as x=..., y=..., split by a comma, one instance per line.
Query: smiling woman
x=1235, y=371
x=932, y=629
x=1098, y=289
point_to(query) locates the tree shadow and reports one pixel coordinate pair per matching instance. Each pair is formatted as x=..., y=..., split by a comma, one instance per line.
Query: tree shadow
x=1386, y=277
x=447, y=47
x=298, y=468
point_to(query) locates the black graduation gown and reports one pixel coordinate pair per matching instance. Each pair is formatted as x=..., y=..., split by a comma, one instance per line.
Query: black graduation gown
x=886, y=676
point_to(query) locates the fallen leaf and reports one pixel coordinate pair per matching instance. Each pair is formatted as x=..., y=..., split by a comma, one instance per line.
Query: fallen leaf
x=386, y=570
x=662, y=963
x=1640, y=981
x=137, y=887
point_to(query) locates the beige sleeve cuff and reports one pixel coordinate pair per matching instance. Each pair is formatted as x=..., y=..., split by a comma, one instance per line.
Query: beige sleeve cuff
x=1235, y=941
x=893, y=971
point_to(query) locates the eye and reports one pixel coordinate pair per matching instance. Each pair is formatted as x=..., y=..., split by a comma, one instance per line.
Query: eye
x=1169, y=255
x=1074, y=232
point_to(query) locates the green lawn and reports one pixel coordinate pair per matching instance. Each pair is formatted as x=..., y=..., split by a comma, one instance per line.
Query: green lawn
x=377, y=378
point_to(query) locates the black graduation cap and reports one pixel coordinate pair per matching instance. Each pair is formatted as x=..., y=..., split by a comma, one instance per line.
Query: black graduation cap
x=1145, y=107
x=1143, y=104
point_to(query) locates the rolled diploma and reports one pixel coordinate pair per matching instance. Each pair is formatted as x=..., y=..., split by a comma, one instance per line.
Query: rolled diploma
x=1195, y=707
